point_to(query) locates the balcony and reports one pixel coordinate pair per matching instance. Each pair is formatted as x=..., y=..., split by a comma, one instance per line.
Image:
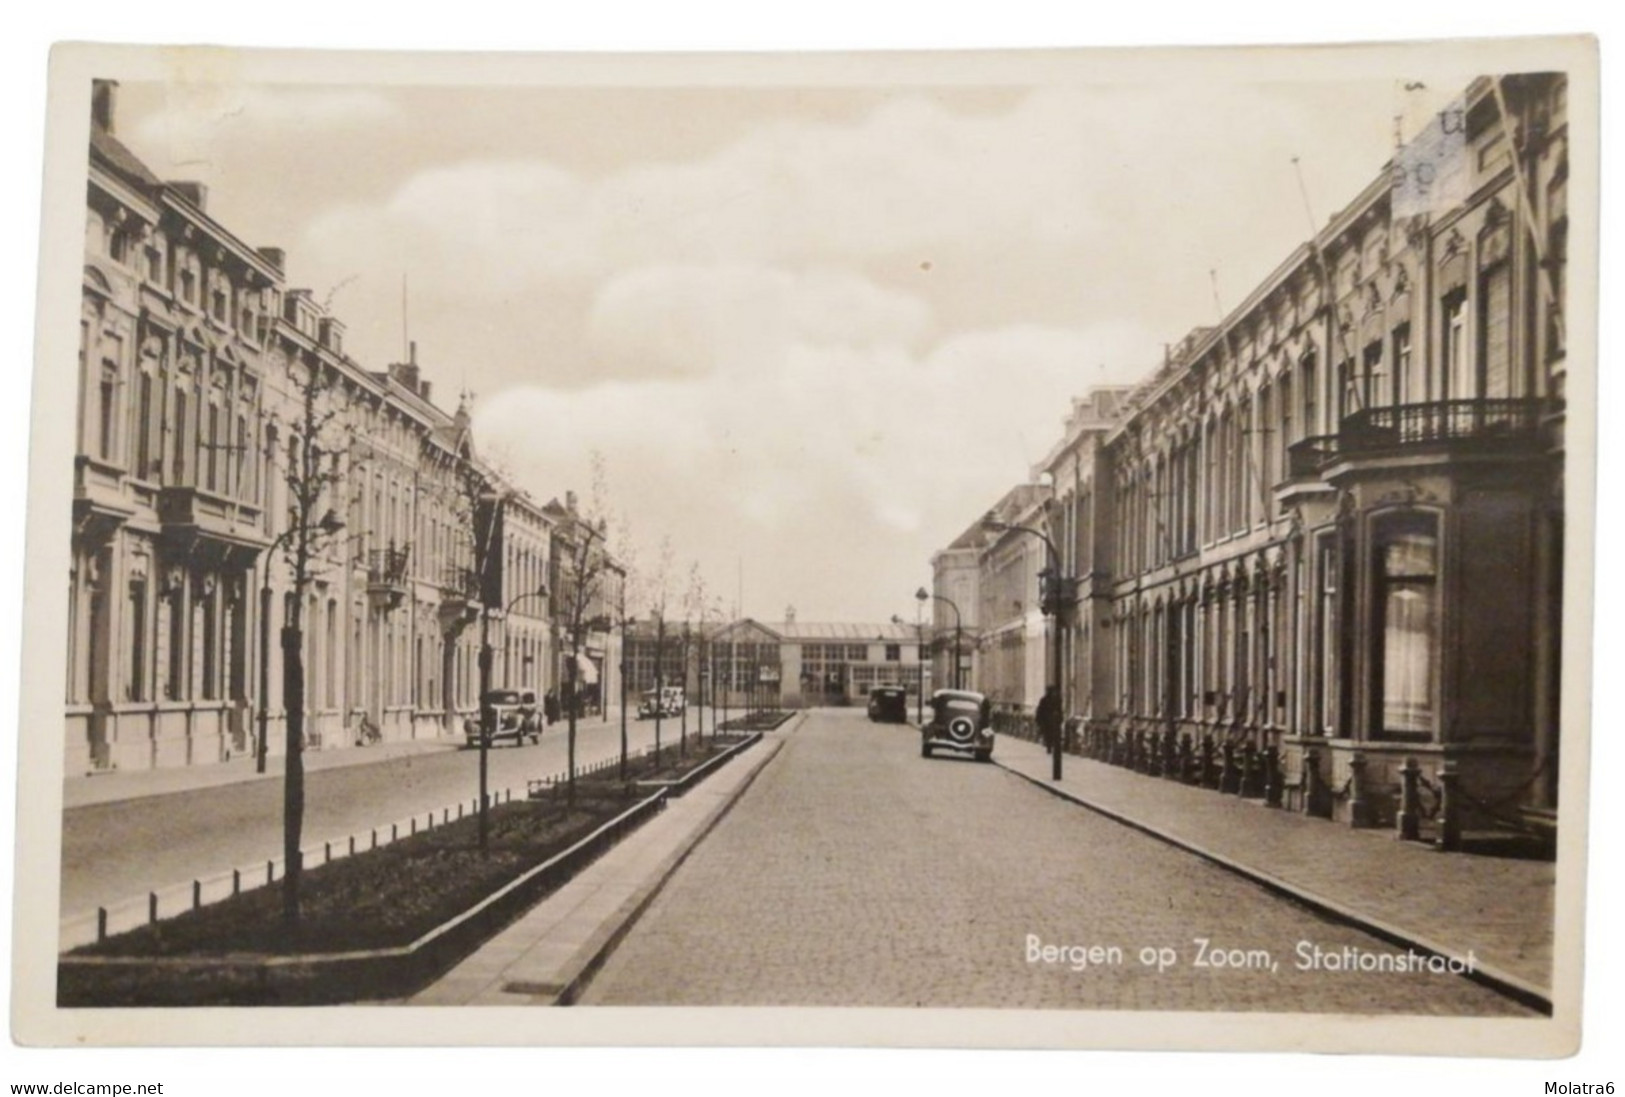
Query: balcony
x=386, y=576
x=1512, y=427
x=459, y=598
x=99, y=503
x=199, y=522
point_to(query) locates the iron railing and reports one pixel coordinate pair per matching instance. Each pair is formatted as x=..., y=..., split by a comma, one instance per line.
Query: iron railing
x=387, y=567
x=1513, y=424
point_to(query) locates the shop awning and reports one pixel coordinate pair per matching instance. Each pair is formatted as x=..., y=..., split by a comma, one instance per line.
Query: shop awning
x=586, y=671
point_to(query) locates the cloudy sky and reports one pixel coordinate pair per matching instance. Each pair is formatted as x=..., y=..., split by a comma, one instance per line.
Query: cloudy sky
x=814, y=332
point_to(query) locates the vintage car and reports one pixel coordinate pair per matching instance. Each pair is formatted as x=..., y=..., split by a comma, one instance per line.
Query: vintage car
x=888, y=704
x=662, y=703
x=515, y=716
x=960, y=720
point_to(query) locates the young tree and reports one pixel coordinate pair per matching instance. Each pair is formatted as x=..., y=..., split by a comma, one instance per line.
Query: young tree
x=585, y=567
x=482, y=500
x=693, y=609
x=315, y=453
x=660, y=593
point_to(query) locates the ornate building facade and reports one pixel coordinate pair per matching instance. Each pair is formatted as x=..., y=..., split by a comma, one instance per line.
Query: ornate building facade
x=211, y=395
x=1329, y=530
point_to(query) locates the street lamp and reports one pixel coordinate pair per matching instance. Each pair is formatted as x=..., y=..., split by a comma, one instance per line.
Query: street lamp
x=1053, y=588
x=922, y=595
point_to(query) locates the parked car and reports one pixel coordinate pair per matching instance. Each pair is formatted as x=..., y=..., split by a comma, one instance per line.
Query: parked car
x=515, y=716
x=888, y=705
x=960, y=720
x=666, y=702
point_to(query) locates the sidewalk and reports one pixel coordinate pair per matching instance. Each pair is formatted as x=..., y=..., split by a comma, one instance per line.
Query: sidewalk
x=84, y=790
x=546, y=956
x=1449, y=903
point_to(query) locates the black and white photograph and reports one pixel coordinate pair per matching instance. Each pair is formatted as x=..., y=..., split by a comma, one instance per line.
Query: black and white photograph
x=1083, y=549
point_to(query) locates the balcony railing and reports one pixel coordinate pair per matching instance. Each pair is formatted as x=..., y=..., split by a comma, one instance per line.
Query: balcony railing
x=386, y=576
x=387, y=567
x=1511, y=424
x=1489, y=421
x=1304, y=458
x=460, y=583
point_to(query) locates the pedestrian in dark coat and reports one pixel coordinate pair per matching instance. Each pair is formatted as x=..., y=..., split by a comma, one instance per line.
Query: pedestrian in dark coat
x=1049, y=717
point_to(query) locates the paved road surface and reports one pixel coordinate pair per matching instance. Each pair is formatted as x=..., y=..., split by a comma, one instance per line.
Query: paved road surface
x=118, y=851
x=854, y=872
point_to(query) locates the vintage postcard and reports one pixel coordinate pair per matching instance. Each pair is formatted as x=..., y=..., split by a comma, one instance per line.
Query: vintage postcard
x=1077, y=549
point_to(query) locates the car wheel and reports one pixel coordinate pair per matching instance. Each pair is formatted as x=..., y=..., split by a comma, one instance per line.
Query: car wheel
x=925, y=750
x=984, y=756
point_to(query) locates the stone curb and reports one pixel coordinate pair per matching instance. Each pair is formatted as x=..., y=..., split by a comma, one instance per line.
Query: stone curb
x=1502, y=982
x=576, y=973
x=585, y=964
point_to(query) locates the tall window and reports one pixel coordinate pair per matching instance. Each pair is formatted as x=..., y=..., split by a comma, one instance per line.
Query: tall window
x=1311, y=395
x=181, y=440
x=212, y=458
x=1407, y=579
x=1374, y=378
x=135, y=687
x=1402, y=364
x=1325, y=636
x=143, y=426
x=1455, y=360
x=1495, y=315
x=105, y=434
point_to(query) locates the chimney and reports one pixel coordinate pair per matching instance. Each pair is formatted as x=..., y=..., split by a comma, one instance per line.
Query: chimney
x=191, y=190
x=423, y=390
x=570, y=501
x=274, y=256
x=103, y=104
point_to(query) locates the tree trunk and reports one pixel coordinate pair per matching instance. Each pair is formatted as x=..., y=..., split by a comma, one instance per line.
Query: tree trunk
x=293, y=785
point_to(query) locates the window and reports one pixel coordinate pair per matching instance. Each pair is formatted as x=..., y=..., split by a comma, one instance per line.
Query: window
x=1402, y=364
x=1325, y=637
x=1456, y=367
x=175, y=687
x=208, y=609
x=1495, y=297
x=212, y=457
x=1374, y=381
x=1311, y=399
x=143, y=426
x=105, y=432
x=155, y=266
x=894, y=653
x=135, y=686
x=1348, y=393
x=1406, y=552
x=188, y=286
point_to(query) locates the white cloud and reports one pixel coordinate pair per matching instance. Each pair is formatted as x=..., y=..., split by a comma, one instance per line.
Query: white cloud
x=826, y=456
x=689, y=320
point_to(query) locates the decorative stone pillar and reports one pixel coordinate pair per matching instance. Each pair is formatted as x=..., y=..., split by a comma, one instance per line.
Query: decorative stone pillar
x=1272, y=777
x=1410, y=814
x=1449, y=807
x=1361, y=811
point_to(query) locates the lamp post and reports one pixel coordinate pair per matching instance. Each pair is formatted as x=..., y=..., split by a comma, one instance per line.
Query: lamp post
x=1052, y=605
x=922, y=595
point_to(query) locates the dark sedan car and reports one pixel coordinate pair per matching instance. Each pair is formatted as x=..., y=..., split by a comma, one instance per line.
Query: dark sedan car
x=960, y=720
x=888, y=705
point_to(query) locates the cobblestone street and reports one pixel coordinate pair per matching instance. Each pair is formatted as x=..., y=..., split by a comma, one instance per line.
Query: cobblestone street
x=856, y=873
